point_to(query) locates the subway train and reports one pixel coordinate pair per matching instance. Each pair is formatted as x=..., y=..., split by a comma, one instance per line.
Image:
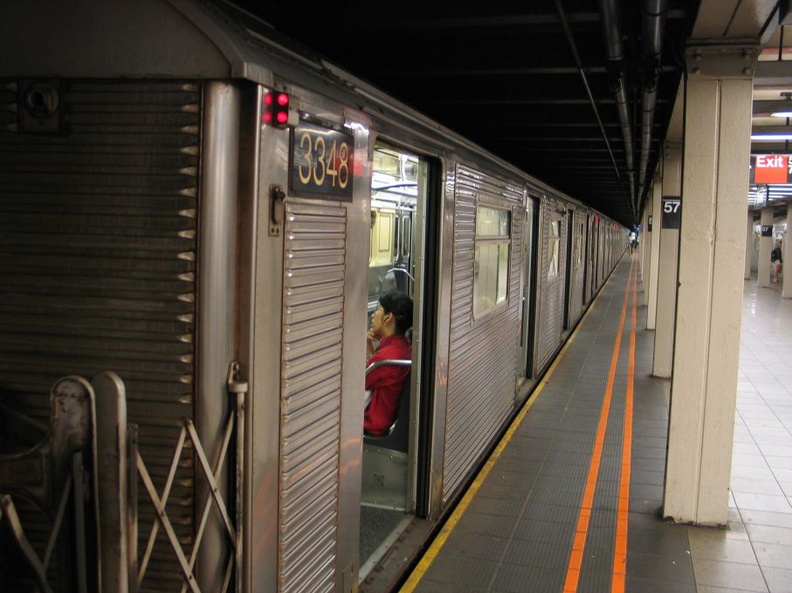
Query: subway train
x=197, y=218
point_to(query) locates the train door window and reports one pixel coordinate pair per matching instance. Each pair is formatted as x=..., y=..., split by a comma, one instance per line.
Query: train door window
x=396, y=238
x=579, y=243
x=554, y=246
x=491, y=263
x=406, y=232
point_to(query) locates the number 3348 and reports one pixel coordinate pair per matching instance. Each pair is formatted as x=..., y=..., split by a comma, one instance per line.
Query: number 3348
x=322, y=162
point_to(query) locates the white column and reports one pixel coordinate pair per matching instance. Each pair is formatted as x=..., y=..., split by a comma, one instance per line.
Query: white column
x=667, y=267
x=709, y=298
x=765, y=247
x=645, y=245
x=654, y=259
x=749, y=244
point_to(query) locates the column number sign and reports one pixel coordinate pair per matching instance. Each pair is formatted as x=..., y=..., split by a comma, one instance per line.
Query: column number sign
x=672, y=212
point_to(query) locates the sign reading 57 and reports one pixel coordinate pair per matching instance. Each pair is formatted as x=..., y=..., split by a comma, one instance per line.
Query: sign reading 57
x=672, y=212
x=321, y=163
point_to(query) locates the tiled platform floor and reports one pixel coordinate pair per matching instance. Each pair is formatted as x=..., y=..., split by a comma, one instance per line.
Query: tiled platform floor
x=515, y=534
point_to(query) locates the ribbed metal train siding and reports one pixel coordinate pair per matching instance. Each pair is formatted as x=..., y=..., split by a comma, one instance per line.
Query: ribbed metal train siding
x=482, y=362
x=578, y=266
x=97, y=252
x=551, y=299
x=313, y=321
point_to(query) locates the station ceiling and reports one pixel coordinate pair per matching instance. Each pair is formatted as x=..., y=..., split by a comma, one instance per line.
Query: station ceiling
x=534, y=82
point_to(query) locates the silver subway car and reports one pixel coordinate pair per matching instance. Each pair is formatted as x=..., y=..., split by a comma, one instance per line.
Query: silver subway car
x=196, y=221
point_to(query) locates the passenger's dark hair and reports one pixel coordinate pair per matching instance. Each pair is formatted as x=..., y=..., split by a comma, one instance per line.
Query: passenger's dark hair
x=401, y=306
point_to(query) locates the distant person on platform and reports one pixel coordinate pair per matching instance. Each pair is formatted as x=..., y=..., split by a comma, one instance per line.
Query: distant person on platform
x=386, y=340
x=776, y=261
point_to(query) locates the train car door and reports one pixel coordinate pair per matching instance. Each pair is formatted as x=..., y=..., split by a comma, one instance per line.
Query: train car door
x=569, y=277
x=529, y=288
x=551, y=282
x=396, y=264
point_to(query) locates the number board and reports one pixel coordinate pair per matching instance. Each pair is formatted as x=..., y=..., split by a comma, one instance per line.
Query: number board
x=321, y=163
x=672, y=212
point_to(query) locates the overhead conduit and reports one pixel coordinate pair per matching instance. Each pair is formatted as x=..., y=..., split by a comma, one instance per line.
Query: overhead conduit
x=653, y=24
x=589, y=93
x=615, y=52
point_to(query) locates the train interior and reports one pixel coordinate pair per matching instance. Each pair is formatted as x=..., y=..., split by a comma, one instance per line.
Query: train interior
x=387, y=502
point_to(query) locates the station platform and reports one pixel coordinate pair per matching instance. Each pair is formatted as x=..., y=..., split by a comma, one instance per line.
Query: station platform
x=570, y=499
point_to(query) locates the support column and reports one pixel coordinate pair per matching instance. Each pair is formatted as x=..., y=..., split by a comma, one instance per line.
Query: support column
x=765, y=247
x=749, y=244
x=653, y=236
x=718, y=101
x=667, y=266
x=786, y=289
x=646, y=245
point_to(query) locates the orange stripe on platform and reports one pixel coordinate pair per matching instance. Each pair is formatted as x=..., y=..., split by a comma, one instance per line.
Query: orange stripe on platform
x=622, y=518
x=587, y=503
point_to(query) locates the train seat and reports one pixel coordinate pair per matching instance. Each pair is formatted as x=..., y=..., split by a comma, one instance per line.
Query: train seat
x=385, y=458
x=399, y=431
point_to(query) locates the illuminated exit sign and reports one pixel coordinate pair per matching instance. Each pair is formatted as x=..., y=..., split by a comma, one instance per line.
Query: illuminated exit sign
x=771, y=168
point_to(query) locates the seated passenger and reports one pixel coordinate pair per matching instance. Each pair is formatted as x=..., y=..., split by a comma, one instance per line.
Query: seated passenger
x=389, y=323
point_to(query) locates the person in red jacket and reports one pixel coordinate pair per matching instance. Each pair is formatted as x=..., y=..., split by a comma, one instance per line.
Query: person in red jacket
x=386, y=340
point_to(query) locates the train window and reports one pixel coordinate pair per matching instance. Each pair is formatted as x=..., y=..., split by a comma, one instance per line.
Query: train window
x=382, y=238
x=394, y=195
x=581, y=229
x=411, y=170
x=387, y=163
x=491, y=265
x=554, y=248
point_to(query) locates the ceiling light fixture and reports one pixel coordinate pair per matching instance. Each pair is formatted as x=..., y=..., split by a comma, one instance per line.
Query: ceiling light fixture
x=771, y=137
x=782, y=108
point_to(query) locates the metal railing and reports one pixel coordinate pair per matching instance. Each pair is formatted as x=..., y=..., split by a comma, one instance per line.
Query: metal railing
x=51, y=474
x=234, y=427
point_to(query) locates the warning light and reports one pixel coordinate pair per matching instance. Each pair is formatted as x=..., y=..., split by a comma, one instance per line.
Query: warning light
x=276, y=109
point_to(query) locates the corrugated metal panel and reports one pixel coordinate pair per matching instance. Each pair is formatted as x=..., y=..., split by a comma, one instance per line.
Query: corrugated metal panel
x=551, y=300
x=482, y=357
x=313, y=321
x=97, y=255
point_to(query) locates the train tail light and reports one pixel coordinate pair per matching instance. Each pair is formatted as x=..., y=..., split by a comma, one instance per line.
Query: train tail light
x=276, y=109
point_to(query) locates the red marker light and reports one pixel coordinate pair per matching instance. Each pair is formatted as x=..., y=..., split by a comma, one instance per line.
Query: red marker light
x=275, y=108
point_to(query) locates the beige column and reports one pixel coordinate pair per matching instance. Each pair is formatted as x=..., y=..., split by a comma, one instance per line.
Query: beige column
x=667, y=266
x=749, y=244
x=765, y=246
x=709, y=298
x=646, y=245
x=653, y=236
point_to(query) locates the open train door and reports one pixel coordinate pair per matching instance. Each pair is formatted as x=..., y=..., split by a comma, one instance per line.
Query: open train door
x=402, y=210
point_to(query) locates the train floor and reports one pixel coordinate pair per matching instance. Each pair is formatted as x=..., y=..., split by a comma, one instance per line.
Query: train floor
x=519, y=527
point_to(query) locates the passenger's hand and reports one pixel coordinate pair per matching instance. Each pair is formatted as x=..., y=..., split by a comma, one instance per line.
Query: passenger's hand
x=371, y=343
